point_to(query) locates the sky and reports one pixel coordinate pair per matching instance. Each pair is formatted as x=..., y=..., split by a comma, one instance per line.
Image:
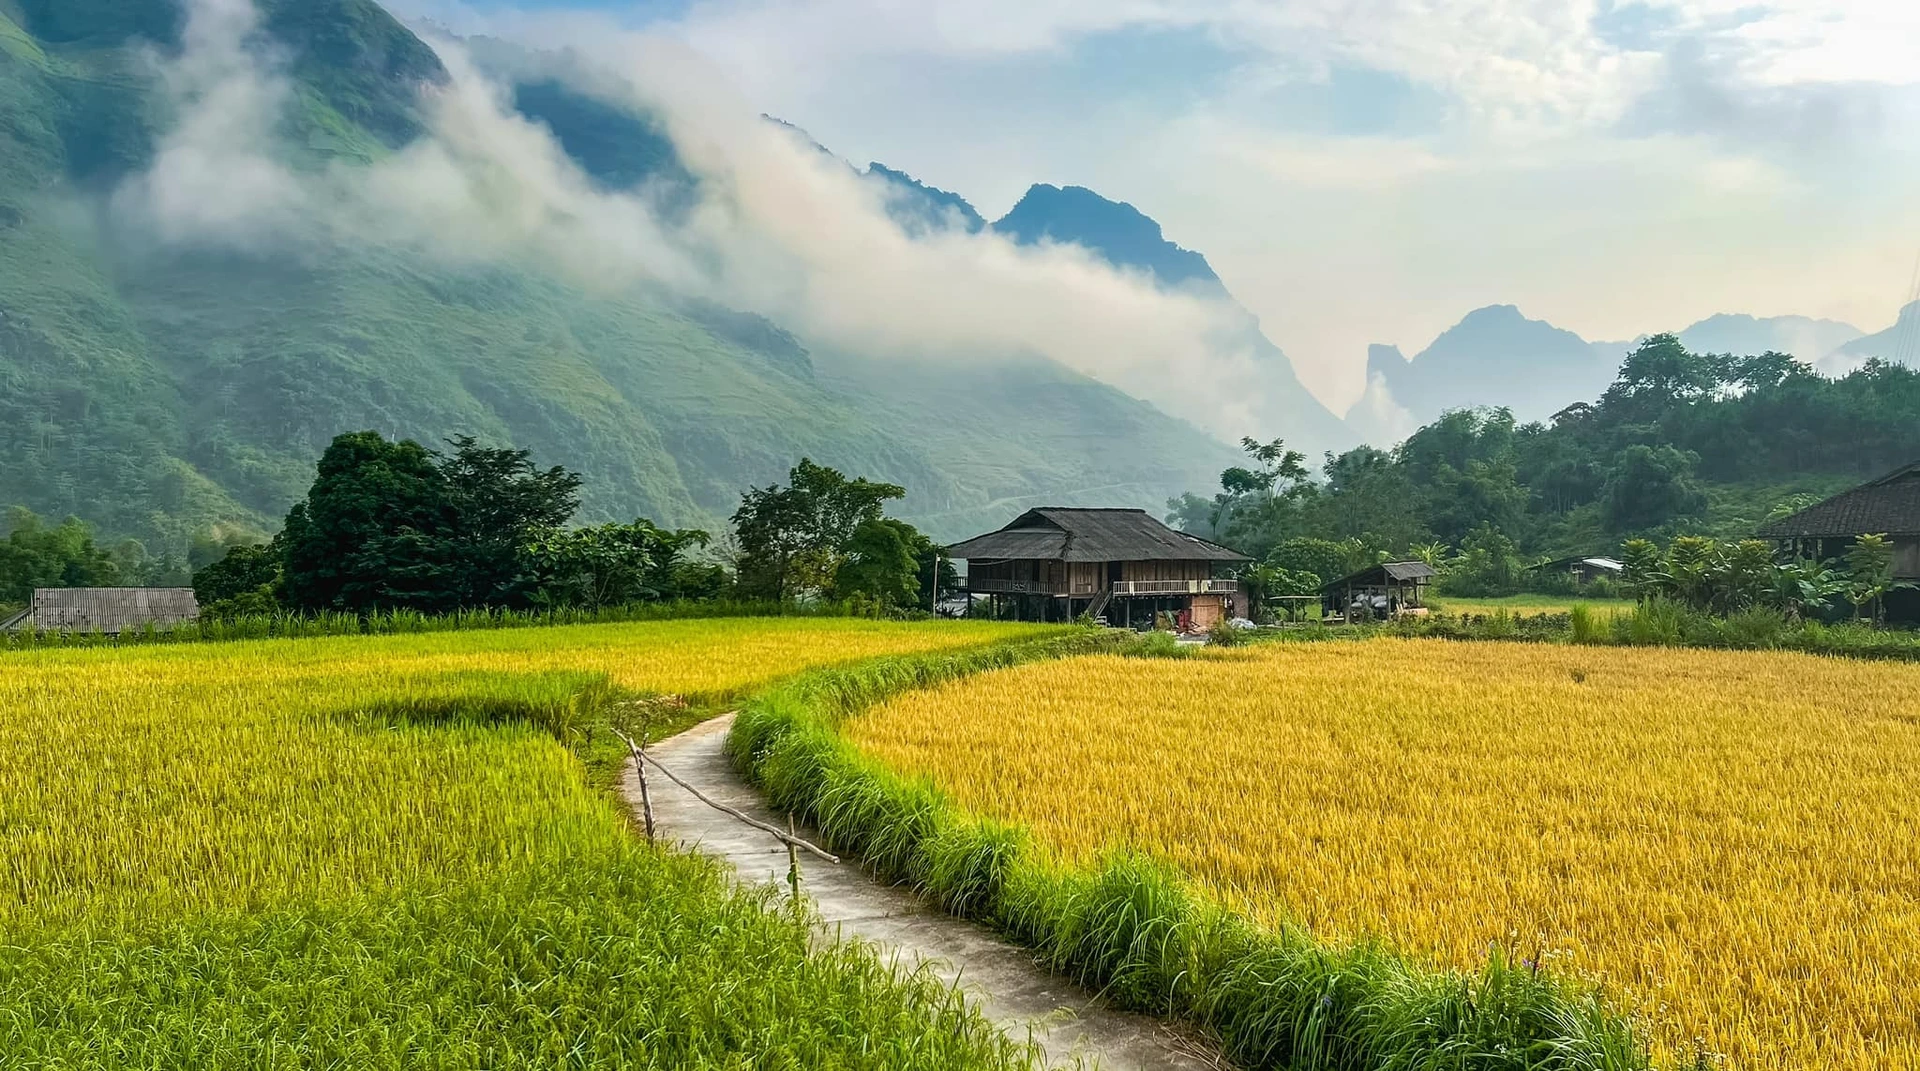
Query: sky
x=1363, y=171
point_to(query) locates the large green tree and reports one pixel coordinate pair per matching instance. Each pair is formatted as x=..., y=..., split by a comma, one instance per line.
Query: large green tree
x=791, y=540
x=247, y=570
x=878, y=563
x=393, y=524
x=614, y=564
x=1651, y=486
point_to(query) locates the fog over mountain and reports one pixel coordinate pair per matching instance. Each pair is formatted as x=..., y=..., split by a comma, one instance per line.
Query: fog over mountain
x=234, y=230
x=1804, y=337
x=1899, y=344
x=1126, y=238
x=1497, y=357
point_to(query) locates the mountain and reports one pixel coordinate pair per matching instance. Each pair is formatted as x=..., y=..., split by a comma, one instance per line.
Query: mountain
x=1119, y=232
x=1493, y=357
x=921, y=209
x=157, y=390
x=1804, y=337
x=1899, y=344
x=1498, y=357
x=1127, y=238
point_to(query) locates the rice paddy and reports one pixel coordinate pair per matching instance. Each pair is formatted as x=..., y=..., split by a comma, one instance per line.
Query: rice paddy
x=378, y=852
x=1727, y=844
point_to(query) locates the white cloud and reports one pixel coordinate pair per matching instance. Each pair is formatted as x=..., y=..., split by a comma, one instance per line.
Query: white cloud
x=780, y=228
x=210, y=176
x=1713, y=156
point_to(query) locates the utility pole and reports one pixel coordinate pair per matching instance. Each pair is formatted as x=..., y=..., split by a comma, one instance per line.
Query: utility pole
x=935, y=586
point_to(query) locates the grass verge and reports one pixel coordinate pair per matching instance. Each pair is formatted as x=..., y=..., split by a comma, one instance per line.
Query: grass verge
x=1135, y=929
x=285, y=626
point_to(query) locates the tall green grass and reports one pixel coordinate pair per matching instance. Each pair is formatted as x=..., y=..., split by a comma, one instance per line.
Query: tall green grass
x=405, y=622
x=1136, y=930
x=1661, y=623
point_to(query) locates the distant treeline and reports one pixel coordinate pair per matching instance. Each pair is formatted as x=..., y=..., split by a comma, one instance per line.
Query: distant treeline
x=399, y=533
x=1682, y=443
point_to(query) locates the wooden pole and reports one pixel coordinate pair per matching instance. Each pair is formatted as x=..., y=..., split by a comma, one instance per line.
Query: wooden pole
x=785, y=838
x=646, y=799
x=793, y=859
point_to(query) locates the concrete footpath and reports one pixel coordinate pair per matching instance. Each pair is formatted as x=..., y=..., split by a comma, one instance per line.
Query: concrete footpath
x=1010, y=988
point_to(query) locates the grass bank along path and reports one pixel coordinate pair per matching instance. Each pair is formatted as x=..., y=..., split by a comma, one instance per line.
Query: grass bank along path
x=378, y=853
x=1125, y=923
x=1726, y=842
x=1022, y=998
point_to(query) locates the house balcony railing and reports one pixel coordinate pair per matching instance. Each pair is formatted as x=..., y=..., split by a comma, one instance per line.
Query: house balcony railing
x=1126, y=588
x=1121, y=589
x=1015, y=587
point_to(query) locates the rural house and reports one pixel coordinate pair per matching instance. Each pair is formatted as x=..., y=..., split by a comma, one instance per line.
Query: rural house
x=1581, y=570
x=1888, y=506
x=1056, y=563
x=106, y=609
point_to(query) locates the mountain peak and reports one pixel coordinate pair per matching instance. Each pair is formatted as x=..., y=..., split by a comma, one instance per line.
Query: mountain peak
x=1739, y=333
x=1385, y=360
x=920, y=208
x=1119, y=232
x=1495, y=355
x=1494, y=316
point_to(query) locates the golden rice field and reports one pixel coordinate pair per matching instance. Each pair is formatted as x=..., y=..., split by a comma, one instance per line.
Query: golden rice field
x=1728, y=843
x=162, y=779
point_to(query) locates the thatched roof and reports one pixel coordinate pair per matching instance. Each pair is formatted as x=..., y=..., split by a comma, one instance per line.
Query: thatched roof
x=109, y=609
x=1058, y=533
x=1889, y=505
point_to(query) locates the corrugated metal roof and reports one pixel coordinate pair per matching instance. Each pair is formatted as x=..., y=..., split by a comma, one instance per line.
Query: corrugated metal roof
x=1610, y=564
x=1091, y=535
x=110, y=609
x=1889, y=505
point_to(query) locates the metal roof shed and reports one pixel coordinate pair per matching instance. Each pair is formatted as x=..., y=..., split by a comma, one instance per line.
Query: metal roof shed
x=1380, y=590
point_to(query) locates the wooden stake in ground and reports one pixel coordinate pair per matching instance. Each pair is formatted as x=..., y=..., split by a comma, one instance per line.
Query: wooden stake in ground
x=646, y=801
x=793, y=860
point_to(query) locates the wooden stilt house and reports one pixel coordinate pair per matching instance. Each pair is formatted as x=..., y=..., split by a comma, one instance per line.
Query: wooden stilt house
x=1055, y=563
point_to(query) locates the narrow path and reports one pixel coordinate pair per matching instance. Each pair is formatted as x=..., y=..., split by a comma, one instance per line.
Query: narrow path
x=1017, y=994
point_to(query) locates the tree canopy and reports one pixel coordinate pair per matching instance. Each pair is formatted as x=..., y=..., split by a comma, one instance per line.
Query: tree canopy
x=792, y=540
x=1681, y=443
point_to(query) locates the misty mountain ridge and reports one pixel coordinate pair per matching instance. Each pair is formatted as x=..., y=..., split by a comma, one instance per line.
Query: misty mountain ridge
x=158, y=390
x=1804, y=337
x=921, y=209
x=1497, y=357
x=1899, y=344
x=1120, y=233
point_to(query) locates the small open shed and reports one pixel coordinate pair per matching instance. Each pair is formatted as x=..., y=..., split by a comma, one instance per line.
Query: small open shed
x=1379, y=591
x=107, y=609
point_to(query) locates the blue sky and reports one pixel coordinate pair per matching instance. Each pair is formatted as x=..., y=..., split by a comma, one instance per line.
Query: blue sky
x=1369, y=170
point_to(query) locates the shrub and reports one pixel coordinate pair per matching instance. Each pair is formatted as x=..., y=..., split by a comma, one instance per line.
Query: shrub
x=1224, y=633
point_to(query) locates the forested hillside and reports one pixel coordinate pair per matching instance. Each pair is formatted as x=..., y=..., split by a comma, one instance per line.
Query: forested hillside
x=1681, y=442
x=157, y=390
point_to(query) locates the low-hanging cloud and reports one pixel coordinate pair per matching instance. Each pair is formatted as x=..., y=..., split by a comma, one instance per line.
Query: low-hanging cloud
x=779, y=227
